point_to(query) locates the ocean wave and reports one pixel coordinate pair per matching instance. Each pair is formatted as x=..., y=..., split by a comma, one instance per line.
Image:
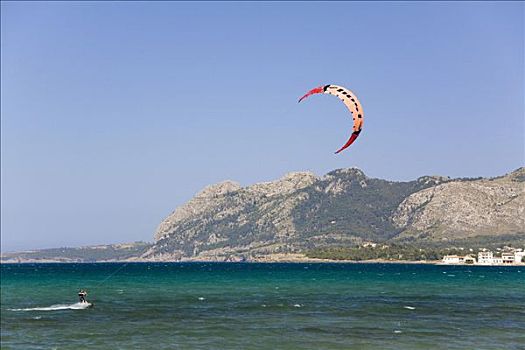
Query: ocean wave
x=57, y=307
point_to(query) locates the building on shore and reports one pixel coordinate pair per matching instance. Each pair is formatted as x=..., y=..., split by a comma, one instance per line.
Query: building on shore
x=458, y=259
x=485, y=258
x=519, y=256
x=451, y=259
x=510, y=256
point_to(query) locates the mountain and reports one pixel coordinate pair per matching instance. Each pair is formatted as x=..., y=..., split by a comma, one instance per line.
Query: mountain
x=464, y=208
x=345, y=207
x=105, y=252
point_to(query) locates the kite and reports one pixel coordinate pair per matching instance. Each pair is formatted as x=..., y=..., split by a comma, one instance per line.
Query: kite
x=351, y=102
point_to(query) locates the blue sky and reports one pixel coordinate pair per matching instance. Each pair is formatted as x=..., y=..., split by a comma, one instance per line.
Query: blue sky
x=115, y=113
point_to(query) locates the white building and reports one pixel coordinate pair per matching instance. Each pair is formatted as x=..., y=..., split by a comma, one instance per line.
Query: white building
x=488, y=258
x=451, y=259
x=508, y=258
x=485, y=258
x=457, y=259
x=497, y=261
x=518, y=256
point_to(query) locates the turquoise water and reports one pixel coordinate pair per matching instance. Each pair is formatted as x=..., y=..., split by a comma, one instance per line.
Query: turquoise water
x=263, y=306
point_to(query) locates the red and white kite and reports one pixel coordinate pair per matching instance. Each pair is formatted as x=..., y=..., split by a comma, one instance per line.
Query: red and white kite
x=351, y=102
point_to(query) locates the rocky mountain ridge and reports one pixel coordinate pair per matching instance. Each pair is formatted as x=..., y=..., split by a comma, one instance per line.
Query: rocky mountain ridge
x=302, y=211
x=483, y=206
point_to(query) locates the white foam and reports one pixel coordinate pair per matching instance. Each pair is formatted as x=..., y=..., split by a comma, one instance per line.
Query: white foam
x=57, y=307
x=297, y=305
x=397, y=331
x=201, y=298
x=409, y=307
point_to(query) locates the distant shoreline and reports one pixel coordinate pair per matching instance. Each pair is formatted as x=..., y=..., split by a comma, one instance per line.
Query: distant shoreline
x=251, y=261
x=291, y=261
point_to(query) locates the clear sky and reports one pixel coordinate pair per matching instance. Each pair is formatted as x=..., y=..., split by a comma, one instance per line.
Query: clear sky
x=115, y=113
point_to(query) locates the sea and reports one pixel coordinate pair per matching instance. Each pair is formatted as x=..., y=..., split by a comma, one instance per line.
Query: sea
x=262, y=306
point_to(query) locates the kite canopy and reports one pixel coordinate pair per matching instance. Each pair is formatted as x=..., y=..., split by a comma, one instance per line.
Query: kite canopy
x=351, y=102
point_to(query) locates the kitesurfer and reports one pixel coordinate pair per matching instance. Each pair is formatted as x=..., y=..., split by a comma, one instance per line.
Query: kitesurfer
x=82, y=296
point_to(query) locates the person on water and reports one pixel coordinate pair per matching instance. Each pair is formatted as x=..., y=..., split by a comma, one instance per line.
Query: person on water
x=82, y=296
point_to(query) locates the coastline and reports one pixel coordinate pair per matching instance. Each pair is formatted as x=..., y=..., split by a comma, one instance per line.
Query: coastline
x=263, y=259
x=254, y=261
